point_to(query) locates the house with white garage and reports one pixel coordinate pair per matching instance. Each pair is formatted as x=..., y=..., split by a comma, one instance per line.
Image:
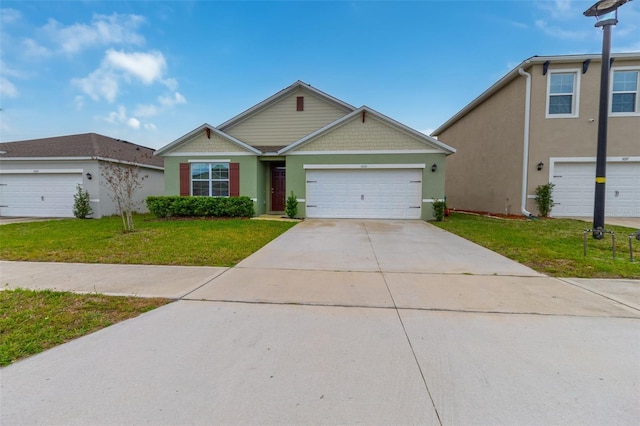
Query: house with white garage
x=338, y=160
x=538, y=124
x=39, y=177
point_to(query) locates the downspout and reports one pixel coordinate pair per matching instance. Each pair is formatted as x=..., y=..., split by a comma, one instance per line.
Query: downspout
x=525, y=154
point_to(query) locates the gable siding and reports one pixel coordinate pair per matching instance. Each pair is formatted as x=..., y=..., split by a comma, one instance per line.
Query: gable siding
x=372, y=135
x=281, y=124
x=203, y=144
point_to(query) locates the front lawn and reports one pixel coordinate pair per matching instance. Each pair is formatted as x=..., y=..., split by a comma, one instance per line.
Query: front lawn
x=33, y=321
x=192, y=242
x=551, y=246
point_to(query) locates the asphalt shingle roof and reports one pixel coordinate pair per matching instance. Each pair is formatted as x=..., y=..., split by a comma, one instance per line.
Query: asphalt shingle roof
x=82, y=145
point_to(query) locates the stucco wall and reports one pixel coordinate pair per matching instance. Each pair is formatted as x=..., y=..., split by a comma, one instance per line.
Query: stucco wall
x=485, y=172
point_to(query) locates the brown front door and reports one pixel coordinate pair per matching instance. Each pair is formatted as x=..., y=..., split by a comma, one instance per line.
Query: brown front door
x=278, y=188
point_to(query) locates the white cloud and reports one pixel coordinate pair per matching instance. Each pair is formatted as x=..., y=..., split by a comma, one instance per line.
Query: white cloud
x=146, y=110
x=7, y=88
x=150, y=126
x=32, y=48
x=148, y=67
x=557, y=32
x=8, y=15
x=557, y=9
x=117, y=117
x=103, y=30
x=171, y=101
x=102, y=83
x=79, y=101
x=133, y=122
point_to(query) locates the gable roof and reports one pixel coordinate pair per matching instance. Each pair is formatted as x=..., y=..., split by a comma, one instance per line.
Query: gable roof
x=85, y=145
x=281, y=94
x=218, y=132
x=513, y=74
x=366, y=110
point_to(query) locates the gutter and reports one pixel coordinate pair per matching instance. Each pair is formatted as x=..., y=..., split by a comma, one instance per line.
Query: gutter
x=525, y=138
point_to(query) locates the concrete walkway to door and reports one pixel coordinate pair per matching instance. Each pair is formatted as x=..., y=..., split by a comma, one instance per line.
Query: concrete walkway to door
x=342, y=322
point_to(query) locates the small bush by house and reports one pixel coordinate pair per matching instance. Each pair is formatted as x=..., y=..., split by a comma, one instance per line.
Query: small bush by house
x=175, y=206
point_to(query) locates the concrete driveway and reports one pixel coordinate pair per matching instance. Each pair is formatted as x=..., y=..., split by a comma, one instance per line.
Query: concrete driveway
x=341, y=322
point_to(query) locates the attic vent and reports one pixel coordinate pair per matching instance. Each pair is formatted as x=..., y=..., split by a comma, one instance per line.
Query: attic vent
x=300, y=103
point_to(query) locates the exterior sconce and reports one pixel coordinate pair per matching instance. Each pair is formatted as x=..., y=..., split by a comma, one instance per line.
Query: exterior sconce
x=540, y=165
x=89, y=176
x=434, y=167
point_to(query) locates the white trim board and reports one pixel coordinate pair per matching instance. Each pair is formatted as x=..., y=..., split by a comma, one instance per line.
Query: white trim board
x=362, y=166
x=41, y=171
x=364, y=152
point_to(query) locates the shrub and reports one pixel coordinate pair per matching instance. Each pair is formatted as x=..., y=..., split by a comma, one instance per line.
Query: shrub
x=81, y=205
x=291, y=208
x=439, y=206
x=544, y=199
x=175, y=206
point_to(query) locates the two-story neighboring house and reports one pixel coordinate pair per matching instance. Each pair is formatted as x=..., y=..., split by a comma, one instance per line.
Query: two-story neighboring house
x=339, y=161
x=538, y=124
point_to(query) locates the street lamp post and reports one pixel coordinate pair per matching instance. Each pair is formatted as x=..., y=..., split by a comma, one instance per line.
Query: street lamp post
x=606, y=13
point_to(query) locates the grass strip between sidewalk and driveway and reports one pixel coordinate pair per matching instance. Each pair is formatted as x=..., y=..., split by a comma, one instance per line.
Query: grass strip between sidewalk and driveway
x=34, y=321
x=189, y=242
x=550, y=246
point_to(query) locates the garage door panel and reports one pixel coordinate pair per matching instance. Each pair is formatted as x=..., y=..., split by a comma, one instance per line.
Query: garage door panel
x=38, y=195
x=575, y=189
x=372, y=194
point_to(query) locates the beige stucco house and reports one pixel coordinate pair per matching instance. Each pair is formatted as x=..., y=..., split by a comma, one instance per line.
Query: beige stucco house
x=338, y=160
x=538, y=124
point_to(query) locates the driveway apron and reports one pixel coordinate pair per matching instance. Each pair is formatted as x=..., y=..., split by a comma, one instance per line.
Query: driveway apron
x=345, y=322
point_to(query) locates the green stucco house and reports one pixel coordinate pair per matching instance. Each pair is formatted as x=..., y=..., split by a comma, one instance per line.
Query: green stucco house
x=338, y=160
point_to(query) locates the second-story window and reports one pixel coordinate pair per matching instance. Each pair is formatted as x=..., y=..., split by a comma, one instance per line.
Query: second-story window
x=624, y=93
x=562, y=94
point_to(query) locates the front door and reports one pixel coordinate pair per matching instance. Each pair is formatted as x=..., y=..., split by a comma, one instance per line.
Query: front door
x=278, y=188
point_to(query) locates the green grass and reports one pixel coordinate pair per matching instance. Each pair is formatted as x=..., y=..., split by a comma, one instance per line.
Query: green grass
x=33, y=321
x=551, y=246
x=193, y=242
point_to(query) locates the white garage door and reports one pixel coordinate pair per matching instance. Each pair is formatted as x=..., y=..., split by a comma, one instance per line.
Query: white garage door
x=575, y=189
x=38, y=195
x=371, y=194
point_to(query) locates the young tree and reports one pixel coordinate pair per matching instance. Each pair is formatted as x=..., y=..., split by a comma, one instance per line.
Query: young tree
x=81, y=203
x=123, y=180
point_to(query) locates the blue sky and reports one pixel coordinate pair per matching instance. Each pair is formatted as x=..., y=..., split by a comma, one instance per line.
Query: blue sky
x=152, y=71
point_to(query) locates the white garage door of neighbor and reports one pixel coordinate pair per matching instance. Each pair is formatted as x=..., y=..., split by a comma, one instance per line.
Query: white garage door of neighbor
x=575, y=189
x=38, y=195
x=364, y=194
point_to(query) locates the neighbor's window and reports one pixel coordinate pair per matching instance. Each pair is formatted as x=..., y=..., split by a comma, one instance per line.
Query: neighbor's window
x=624, y=95
x=562, y=94
x=210, y=179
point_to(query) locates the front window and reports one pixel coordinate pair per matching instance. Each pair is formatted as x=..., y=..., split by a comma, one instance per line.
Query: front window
x=562, y=94
x=624, y=94
x=210, y=179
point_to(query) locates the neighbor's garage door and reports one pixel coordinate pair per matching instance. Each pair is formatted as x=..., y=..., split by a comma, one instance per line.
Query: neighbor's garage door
x=38, y=195
x=575, y=188
x=371, y=193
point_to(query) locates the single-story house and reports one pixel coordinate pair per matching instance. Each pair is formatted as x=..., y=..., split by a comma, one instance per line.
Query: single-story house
x=539, y=124
x=39, y=177
x=339, y=161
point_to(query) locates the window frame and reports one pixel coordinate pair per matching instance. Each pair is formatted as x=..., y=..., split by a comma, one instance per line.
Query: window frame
x=637, y=92
x=210, y=179
x=575, y=100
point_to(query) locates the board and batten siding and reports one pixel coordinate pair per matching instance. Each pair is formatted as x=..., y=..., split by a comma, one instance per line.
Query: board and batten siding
x=282, y=124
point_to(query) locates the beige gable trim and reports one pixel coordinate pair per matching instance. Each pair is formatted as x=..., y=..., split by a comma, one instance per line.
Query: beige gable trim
x=223, y=139
x=203, y=144
x=280, y=123
x=366, y=130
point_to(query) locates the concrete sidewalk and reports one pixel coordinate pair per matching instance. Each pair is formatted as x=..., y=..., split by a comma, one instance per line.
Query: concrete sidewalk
x=381, y=322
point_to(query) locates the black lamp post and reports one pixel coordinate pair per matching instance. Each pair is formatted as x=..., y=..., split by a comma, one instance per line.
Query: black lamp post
x=606, y=13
